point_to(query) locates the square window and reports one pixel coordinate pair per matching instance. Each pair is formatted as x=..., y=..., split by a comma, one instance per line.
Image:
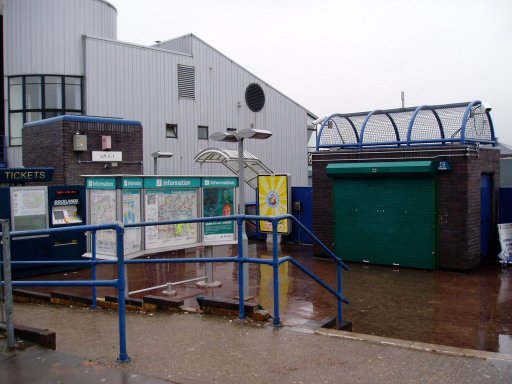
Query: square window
x=202, y=132
x=171, y=131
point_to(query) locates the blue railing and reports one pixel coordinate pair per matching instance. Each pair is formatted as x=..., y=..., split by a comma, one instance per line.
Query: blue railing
x=241, y=259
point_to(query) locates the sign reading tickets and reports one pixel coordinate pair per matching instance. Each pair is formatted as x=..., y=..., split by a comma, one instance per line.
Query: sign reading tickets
x=273, y=200
x=505, y=232
x=218, y=200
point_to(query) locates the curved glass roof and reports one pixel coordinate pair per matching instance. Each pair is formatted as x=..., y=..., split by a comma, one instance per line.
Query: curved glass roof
x=228, y=157
x=468, y=122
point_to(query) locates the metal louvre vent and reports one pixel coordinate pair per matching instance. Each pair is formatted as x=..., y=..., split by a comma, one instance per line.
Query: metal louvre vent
x=186, y=82
x=254, y=97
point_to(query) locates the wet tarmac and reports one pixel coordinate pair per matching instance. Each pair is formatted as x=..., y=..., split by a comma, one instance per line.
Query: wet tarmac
x=466, y=310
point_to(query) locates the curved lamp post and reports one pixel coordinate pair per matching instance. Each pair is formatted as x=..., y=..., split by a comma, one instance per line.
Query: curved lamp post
x=156, y=155
x=239, y=137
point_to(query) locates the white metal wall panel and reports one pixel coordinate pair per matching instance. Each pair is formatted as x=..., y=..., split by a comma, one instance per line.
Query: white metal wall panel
x=140, y=83
x=44, y=36
x=180, y=44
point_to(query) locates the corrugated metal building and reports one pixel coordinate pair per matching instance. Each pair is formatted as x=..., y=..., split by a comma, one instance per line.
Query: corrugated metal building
x=63, y=57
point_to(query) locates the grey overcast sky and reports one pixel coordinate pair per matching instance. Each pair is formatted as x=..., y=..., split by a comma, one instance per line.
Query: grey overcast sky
x=350, y=55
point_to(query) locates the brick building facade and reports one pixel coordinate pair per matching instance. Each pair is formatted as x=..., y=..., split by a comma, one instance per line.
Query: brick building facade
x=49, y=143
x=458, y=195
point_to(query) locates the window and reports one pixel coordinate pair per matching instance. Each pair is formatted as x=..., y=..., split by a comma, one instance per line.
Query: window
x=171, y=131
x=202, y=132
x=186, y=82
x=231, y=129
x=37, y=97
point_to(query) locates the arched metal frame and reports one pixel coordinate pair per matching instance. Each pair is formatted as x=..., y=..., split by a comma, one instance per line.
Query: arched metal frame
x=460, y=123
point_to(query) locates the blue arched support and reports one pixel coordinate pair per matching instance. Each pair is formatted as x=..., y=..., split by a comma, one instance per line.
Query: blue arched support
x=411, y=122
x=356, y=134
x=397, y=134
x=465, y=118
x=455, y=125
x=326, y=122
x=363, y=127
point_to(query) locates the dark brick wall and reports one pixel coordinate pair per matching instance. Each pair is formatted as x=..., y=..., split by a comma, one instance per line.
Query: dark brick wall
x=458, y=197
x=51, y=145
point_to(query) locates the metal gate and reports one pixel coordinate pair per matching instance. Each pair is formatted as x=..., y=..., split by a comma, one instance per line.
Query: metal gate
x=384, y=213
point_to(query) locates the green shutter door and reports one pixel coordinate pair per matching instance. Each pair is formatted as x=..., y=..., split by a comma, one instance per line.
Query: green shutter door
x=385, y=220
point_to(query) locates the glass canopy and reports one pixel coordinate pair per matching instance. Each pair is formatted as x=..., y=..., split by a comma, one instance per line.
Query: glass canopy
x=229, y=157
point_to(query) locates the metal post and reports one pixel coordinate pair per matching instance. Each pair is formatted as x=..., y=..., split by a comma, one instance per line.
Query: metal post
x=6, y=241
x=241, y=255
x=275, y=266
x=209, y=282
x=340, y=303
x=93, y=268
x=123, y=355
x=241, y=211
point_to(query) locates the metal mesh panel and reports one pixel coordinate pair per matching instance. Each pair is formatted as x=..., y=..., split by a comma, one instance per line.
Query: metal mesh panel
x=426, y=125
x=379, y=128
x=401, y=120
x=339, y=130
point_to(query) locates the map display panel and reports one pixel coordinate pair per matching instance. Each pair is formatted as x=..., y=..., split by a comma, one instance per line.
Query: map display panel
x=131, y=215
x=103, y=211
x=170, y=204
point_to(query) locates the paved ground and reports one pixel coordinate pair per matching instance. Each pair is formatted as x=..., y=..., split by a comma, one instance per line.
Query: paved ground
x=190, y=348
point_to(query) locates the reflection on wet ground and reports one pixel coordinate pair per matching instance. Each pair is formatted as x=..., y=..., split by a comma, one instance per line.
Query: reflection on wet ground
x=468, y=310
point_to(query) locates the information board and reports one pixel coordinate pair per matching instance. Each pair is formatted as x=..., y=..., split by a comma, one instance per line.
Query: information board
x=131, y=214
x=102, y=208
x=29, y=208
x=170, y=204
x=218, y=202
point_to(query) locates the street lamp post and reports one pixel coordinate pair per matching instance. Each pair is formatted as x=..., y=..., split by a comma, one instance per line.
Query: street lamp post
x=238, y=137
x=156, y=155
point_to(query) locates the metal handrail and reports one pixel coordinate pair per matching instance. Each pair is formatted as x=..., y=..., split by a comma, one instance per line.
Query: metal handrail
x=120, y=282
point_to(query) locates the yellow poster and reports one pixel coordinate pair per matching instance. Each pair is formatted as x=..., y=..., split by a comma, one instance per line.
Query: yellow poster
x=273, y=200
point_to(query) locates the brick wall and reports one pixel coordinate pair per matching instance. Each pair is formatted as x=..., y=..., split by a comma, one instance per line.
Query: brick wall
x=51, y=145
x=458, y=197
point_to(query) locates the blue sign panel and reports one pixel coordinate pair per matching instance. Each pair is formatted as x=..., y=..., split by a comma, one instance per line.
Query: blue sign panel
x=23, y=175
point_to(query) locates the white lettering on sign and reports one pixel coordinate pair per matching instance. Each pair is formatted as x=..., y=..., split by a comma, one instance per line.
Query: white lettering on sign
x=66, y=202
x=107, y=156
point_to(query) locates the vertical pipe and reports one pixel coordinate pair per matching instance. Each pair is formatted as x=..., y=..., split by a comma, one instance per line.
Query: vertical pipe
x=340, y=303
x=123, y=355
x=241, y=210
x=6, y=241
x=93, y=270
x=275, y=266
x=241, y=293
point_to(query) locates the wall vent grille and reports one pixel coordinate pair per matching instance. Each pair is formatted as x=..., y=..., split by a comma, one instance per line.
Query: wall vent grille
x=186, y=82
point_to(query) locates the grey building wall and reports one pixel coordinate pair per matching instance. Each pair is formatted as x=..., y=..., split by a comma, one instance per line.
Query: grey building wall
x=78, y=37
x=140, y=83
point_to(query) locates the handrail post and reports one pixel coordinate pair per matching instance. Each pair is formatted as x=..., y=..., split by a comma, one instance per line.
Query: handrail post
x=241, y=293
x=275, y=267
x=6, y=247
x=93, y=268
x=121, y=285
x=340, y=303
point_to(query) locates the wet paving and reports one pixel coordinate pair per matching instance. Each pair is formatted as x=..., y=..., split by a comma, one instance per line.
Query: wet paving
x=467, y=310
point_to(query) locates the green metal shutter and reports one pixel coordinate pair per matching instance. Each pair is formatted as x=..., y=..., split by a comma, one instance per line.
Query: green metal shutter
x=385, y=220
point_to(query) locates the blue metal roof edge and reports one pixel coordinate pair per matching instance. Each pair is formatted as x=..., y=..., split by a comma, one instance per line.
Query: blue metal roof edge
x=83, y=119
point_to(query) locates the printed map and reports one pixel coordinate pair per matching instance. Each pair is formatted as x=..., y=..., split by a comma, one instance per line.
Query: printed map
x=165, y=205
